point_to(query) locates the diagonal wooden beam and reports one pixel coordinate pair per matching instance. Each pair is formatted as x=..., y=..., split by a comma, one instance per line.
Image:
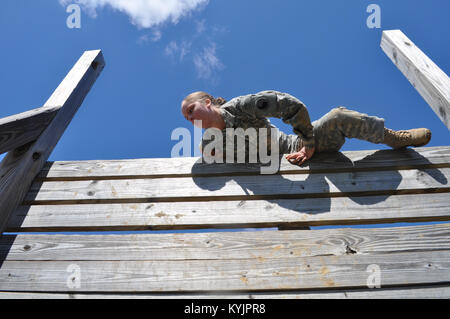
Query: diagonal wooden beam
x=19, y=129
x=20, y=166
x=427, y=78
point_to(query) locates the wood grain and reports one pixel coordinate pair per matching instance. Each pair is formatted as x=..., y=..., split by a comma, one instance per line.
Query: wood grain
x=19, y=129
x=232, y=214
x=422, y=157
x=427, y=78
x=430, y=267
x=411, y=292
x=258, y=245
x=239, y=187
x=18, y=169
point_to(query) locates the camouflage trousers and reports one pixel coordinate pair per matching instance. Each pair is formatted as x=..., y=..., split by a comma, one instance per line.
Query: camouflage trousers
x=331, y=130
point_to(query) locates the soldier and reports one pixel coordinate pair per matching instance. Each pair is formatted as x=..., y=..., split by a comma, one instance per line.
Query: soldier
x=324, y=135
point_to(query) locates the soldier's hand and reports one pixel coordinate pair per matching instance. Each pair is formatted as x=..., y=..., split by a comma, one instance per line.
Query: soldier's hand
x=301, y=156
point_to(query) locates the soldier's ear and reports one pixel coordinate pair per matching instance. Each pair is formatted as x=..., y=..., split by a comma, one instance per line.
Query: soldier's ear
x=208, y=102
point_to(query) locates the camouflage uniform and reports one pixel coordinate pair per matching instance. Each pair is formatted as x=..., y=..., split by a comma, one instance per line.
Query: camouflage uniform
x=326, y=134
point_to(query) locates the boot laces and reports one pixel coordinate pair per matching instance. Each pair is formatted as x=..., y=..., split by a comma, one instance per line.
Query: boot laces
x=403, y=136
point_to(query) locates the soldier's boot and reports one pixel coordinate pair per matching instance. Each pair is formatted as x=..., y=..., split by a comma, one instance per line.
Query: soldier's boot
x=414, y=137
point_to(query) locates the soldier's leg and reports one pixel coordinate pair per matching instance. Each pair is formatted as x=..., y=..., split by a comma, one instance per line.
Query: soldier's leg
x=331, y=130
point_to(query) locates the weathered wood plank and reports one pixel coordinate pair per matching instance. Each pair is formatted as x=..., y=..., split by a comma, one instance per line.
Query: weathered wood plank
x=240, y=187
x=414, y=292
x=18, y=169
x=421, y=157
x=431, y=267
x=260, y=245
x=20, y=129
x=427, y=78
x=233, y=214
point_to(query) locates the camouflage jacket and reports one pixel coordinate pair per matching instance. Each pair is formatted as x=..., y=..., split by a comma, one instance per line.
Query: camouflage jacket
x=253, y=110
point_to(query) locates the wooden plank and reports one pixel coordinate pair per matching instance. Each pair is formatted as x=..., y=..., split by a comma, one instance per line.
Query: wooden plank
x=422, y=157
x=346, y=271
x=233, y=214
x=20, y=129
x=414, y=292
x=259, y=245
x=427, y=78
x=18, y=169
x=240, y=187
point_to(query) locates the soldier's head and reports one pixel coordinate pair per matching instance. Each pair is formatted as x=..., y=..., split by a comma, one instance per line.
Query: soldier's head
x=203, y=107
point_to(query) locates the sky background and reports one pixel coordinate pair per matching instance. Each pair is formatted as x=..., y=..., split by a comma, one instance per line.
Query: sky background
x=320, y=51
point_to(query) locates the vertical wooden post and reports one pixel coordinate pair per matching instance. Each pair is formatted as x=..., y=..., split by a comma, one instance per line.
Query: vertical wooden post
x=20, y=166
x=428, y=79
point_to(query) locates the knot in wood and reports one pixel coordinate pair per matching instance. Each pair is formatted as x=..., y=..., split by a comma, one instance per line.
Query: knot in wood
x=349, y=250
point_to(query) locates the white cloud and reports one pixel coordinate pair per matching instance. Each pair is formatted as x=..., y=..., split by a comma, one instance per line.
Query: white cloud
x=206, y=62
x=200, y=26
x=181, y=50
x=171, y=48
x=154, y=37
x=152, y=14
x=184, y=49
x=144, y=13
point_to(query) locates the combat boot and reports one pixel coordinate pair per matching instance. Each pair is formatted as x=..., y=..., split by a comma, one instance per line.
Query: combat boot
x=414, y=137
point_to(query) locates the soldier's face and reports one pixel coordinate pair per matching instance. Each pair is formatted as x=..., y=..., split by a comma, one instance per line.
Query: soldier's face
x=198, y=111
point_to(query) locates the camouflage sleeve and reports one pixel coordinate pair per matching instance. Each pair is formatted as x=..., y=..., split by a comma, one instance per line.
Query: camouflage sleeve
x=281, y=105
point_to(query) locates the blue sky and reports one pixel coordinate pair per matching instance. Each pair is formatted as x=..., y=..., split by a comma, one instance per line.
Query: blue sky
x=319, y=51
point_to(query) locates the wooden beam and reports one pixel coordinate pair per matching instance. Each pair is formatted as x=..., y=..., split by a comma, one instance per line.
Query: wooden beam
x=267, y=187
x=20, y=129
x=258, y=245
x=20, y=167
x=243, y=262
x=232, y=214
x=319, y=272
x=411, y=292
x=427, y=78
x=421, y=157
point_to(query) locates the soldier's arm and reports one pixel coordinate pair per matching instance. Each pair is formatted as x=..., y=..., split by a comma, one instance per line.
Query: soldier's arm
x=281, y=105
